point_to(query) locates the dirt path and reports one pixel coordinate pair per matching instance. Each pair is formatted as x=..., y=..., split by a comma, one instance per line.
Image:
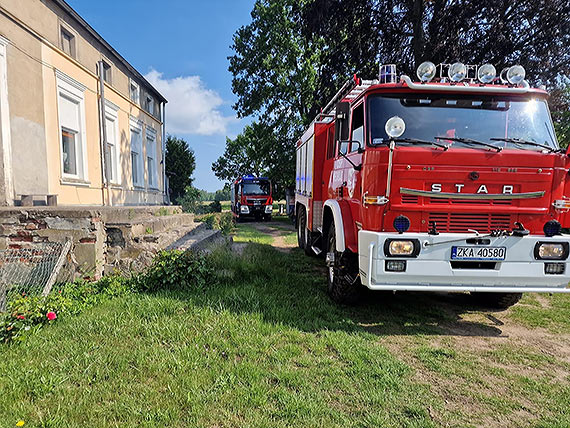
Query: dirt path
x=278, y=231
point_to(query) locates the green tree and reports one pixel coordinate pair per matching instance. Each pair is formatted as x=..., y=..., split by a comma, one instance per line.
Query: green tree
x=294, y=55
x=180, y=165
x=257, y=151
x=560, y=104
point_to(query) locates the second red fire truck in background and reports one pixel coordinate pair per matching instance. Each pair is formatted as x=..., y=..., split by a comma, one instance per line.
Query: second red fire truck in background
x=252, y=197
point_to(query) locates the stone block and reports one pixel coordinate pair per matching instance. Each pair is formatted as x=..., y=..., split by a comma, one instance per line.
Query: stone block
x=60, y=223
x=86, y=256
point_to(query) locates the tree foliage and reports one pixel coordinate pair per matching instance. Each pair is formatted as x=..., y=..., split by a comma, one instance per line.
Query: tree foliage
x=561, y=114
x=295, y=54
x=180, y=165
x=258, y=151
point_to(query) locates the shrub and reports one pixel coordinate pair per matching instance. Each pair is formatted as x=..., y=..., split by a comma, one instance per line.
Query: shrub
x=216, y=207
x=226, y=223
x=176, y=270
x=26, y=313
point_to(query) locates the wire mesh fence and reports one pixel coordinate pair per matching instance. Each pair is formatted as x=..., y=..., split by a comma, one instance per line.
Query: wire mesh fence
x=33, y=270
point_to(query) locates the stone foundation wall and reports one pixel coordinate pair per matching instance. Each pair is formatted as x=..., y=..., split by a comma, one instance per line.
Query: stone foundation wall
x=23, y=228
x=102, y=238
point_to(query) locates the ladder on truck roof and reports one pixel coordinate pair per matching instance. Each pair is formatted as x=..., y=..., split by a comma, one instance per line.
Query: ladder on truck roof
x=350, y=90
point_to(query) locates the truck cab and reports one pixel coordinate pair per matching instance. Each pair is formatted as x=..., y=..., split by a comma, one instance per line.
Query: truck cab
x=252, y=198
x=452, y=183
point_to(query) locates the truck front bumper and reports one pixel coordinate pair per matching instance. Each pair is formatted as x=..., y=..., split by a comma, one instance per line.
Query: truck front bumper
x=432, y=268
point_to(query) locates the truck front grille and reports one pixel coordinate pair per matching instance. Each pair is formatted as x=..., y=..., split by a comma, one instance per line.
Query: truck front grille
x=462, y=222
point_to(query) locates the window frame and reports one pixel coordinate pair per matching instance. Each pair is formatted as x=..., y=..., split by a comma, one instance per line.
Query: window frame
x=149, y=104
x=151, y=142
x=136, y=128
x=132, y=83
x=112, y=114
x=351, y=134
x=73, y=42
x=107, y=67
x=74, y=91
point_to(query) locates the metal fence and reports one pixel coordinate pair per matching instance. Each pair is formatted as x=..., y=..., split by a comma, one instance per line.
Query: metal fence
x=33, y=270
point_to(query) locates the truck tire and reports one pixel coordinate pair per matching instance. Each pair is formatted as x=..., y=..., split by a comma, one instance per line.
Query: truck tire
x=497, y=300
x=344, y=284
x=301, y=227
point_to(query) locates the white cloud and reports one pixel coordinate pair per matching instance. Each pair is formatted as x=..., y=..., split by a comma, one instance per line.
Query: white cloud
x=192, y=108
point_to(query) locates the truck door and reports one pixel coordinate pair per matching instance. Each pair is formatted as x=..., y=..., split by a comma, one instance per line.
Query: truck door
x=328, y=165
x=353, y=176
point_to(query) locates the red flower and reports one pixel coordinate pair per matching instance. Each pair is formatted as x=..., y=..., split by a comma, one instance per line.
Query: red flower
x=21, y=317
x=51, y=315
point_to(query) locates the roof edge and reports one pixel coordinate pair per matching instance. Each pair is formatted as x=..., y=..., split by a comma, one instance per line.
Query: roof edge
x=69, y=10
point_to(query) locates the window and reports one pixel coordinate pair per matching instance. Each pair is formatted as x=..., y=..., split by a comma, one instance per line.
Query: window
x=67, y=42
x=107, y=73
x=149, y=104
x=330, y=143
x=357, y=127
x=135, y=92
x=111, y=148
x=71, y=112
x=136, y=154
x=69, y=142
x=151, y=164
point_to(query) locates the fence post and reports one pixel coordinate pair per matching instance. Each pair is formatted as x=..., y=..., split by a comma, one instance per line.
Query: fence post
x=57, y=268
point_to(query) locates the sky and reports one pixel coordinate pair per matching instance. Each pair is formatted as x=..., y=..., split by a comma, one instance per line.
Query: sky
x=181, y=47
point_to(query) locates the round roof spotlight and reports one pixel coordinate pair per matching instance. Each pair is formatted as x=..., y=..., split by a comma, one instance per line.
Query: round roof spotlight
x=401, y=224
x=395, y=127
x=457, y=72
x=486, y=73
x=516, y=74
x=552, y=227
x=426, y=71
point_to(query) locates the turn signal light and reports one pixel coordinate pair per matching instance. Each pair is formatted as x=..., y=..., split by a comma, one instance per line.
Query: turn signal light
x=562, y=204
x=374, y=200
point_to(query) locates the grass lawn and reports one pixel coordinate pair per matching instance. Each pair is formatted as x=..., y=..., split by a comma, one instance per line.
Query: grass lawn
x=248, y=233
x=263, y=346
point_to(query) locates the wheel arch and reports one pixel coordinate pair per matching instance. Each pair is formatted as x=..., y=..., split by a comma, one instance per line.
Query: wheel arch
x=333, y=213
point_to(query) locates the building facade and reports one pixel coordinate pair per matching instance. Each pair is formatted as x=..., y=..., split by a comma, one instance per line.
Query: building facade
x=63, y=92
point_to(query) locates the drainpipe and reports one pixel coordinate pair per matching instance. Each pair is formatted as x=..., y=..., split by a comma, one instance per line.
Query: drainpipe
x=166, y=196
x=103, y=134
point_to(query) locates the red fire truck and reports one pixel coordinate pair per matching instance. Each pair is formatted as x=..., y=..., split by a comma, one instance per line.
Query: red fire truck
x=453, y=182
x=252, y=197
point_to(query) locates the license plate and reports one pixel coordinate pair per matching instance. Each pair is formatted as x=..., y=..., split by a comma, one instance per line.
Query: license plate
x=478, y=253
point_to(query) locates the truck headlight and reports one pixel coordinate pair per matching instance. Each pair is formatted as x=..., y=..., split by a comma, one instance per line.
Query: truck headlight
x=551, y=251
x=268, y=209
x=401, y=247
x=244, y=209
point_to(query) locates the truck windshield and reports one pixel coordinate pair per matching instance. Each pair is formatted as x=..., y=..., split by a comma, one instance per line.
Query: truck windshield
x=482, y=118
x=256, y=188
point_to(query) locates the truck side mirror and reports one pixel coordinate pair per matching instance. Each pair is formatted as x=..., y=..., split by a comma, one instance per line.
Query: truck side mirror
x=341, y=121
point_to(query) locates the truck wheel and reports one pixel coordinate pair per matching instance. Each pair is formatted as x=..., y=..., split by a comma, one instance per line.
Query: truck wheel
x=497, y=300
x=301, y=228
x=344, y=284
